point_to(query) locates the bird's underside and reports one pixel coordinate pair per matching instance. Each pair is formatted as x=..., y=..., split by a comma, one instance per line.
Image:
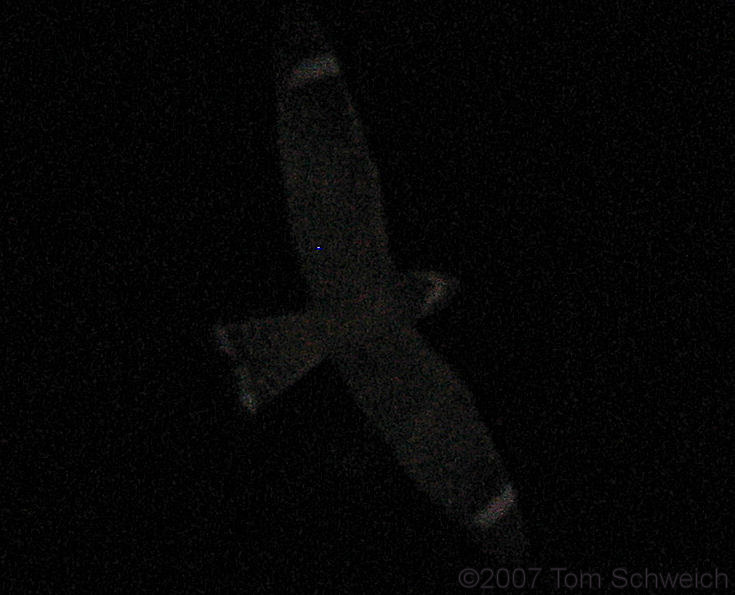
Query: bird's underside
x=362, y=309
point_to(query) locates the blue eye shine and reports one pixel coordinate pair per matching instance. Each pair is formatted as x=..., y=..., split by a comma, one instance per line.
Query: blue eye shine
x=318, y=247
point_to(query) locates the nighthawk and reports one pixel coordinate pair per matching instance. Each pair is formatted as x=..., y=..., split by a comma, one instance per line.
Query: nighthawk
x=362, y=309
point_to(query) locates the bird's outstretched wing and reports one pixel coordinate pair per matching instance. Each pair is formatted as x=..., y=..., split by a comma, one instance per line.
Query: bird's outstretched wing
x=427, y=415
x=332, y=186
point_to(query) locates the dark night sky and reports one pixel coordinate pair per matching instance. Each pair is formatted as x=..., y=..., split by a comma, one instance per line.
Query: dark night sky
x=570, y=168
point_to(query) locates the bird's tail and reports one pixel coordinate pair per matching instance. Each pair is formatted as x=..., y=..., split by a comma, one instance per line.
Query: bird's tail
x=271, y=354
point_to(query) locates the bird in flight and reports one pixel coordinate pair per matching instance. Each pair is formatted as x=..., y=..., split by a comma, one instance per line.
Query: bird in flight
x=362, y=310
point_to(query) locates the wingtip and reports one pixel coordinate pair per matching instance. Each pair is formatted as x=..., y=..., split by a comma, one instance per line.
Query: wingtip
x=496, y=509
x=438, y=289
x=302, y=52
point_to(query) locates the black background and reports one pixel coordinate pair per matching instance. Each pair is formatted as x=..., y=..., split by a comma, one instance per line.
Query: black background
x=571, y=167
